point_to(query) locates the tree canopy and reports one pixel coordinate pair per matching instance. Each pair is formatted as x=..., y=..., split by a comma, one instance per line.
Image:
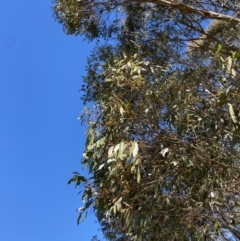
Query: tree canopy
x=162, y=113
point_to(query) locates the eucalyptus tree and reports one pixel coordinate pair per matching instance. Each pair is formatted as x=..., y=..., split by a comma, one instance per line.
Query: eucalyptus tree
x=162, y=140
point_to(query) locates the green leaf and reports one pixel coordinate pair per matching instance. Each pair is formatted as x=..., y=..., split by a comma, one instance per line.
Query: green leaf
x=219, y=47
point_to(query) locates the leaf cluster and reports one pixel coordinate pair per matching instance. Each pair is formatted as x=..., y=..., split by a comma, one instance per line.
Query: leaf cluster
x=163, y=149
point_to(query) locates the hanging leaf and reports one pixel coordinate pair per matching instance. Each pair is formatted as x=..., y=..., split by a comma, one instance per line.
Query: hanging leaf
x=233, y=72
x=118, y=206
x=116, y=148
x=121, y=110
x=229, y=63
x=121, y=150
x=228, y=89
x=119, y=200
x=110, y=151
x=133, y=168
x=232, y=113
x=134, y=149
x=138, y=174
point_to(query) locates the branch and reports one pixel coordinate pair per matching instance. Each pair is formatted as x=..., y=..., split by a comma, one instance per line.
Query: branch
x=224, y=225
x=234, y=231
x=188, y=9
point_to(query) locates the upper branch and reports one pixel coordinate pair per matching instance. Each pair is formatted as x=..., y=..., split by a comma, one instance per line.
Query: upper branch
x=189, y=9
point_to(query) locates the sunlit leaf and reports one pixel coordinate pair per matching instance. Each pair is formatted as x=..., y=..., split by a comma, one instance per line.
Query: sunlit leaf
x=111, y=160
x=231, y=111
x=229, y=63
x=138, y=174
x=121, y=150
x=121, y=110
x=164, y=151
x=134, y=149
x=110, y=151
x=101, y=166
x=116, y=148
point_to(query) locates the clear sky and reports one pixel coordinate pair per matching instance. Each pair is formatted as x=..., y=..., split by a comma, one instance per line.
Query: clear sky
x=41, y=141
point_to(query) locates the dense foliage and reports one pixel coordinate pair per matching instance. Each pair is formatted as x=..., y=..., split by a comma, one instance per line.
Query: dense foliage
x=162, y=140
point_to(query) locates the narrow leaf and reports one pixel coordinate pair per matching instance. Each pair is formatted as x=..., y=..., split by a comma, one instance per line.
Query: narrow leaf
x=219, y=47
x=121, y=149
x=110, y=151
x=138, y=175
x=108, y=80
x=133, y=168
x=232, y=113
x=118, y=206
x=101, y=166
x=135, y=149
x=116, y=148
x=229, y=63
x=111, y=160
x=233, y=72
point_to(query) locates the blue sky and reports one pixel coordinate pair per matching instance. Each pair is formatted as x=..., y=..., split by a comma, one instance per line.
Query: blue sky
x=41, y=141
